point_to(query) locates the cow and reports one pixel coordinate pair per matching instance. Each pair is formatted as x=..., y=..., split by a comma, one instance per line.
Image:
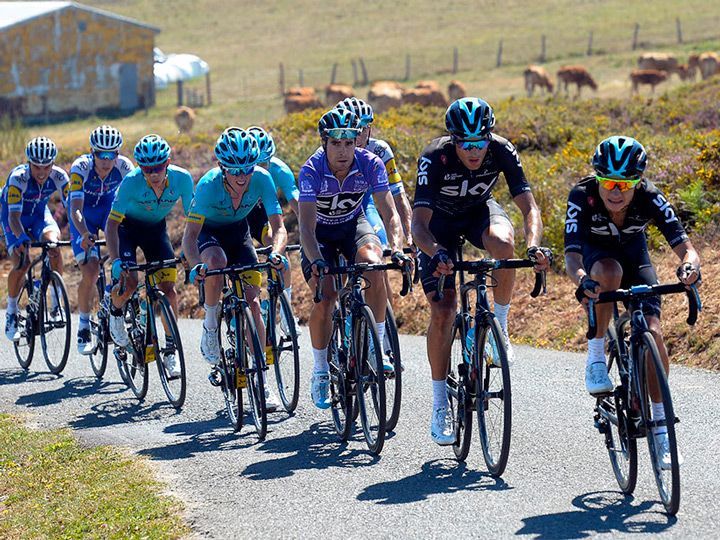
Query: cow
x=295, y=103
x=709, y=64
x=337, y=92
x=384, y=95
x=300, y=91
x=685, y=73
x=456, y=90
x=184, y=119
x=537, y=76
x=433, y=86
x=577, y=75
x=424, y=97
x=659, y=61
x=693, y=64
x=651, y=77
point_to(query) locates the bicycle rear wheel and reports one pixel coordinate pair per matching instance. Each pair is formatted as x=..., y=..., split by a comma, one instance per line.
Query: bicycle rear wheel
x=233, y=381
x=340, y=396
x=370, y=379
x=393, y=381
x=98, y=358
x=131, y=360
x=26, y=321
x=251, y=358
x=667, y=476
x=493, y=401
x=458, y=391
x=287, y=359
x=169, y=342
x=55, y=325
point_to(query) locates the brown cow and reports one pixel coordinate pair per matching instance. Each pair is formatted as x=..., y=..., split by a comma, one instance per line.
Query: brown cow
x=300, y=91
x=577, y=75
x=384, y=95
x=537, y=76
x=433, y=86
x=337, y=92
x=651, y=77
x=709, y=64
x=693, y=64
x=424, y=97
x=184, y=119
x=685, y=73
x=295, y=103
x=456, y=90
x=659, y=61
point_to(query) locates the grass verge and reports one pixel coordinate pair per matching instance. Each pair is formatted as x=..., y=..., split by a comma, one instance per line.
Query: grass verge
x=51, y=487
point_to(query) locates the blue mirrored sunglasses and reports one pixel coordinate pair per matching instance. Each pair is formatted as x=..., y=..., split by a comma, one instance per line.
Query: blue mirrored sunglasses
x=342, y=133
x=469, y=144
x=106, y=155
x=237, y=171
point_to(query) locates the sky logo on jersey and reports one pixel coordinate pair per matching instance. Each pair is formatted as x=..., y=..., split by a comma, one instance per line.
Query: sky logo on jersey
x=422, y=171
x=464, y=189
x=340, y=204
x=664, y=206
x=571, y=221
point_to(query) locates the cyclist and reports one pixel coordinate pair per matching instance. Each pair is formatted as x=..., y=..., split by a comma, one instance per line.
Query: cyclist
x=94, y=179
x=25, y=216
x=137, y=219
x=217, y=233
x=606, y=249
x=333, y=182
x=453, y=197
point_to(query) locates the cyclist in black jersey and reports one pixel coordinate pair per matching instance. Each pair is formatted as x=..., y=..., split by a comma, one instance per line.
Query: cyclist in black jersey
x=453, y=198
x=605, y=249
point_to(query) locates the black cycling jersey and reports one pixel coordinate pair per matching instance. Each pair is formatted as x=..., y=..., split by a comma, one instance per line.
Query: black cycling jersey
x=445, y=185
x=588, y=222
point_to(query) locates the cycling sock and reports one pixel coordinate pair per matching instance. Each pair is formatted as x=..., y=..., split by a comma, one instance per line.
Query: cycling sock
x=501, y=313
x=439, y=394
x=596, y=350
x=658, y=413
x=288, y=291
x=84, y=321
x=54, y=302
x=321, y=363
x=211, y=316
x=381, y=334
x=12, y=304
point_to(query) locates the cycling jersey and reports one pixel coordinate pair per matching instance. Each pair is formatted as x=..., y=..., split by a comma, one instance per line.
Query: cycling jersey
x=87, y=186
x=382, y=150
x=283, y=178
x=23, y=194
x=587, y=221
x=212, y=203
x=446, y=185
x=341, y=202
x=136, y=199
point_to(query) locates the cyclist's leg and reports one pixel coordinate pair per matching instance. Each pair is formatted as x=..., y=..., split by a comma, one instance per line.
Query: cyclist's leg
x=365, y=247
x=156, y=246
x=50, y=232
x=16, y=276
x=129, y=235
x=88, y=269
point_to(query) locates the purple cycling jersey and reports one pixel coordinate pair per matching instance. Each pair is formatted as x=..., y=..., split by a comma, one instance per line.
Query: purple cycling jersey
x=340, y=202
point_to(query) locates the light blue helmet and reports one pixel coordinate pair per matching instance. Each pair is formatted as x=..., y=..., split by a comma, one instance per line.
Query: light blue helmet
x=265, y=142
x=469, y=118
x=237, y=148
x=151, y=150
x=41, y=151
x=620, y=157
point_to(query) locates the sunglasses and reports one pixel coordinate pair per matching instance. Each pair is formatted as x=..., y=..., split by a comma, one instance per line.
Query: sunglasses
x=365, y=121
x=153, y=169
x=625, y=184
x=342, y=133
x=470, y=144
x=238, y=171
x=108, y=155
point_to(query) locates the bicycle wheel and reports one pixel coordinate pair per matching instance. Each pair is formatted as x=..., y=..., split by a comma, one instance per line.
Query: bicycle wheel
x=370, y=379
x=131, y=361
x=55, y=324
x=493, y=401
x=232, y=380
x=169, y=343
x=253, y=364
x=458, y=391
x=287, y=359
x=27, y=321
x=667, y=478
x=101, y=331
x=393, y=381
x=340, y=396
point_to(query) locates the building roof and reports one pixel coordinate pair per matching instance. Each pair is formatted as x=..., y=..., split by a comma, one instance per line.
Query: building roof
x=15, y=13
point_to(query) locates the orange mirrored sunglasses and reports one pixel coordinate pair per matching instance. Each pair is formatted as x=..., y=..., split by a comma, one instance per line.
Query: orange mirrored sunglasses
x=621, y=184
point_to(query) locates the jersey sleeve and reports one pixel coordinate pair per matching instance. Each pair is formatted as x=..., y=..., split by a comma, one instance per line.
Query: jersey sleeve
x=427, y=181
x=309, y=184
x=186, y=191
x=78, y=173
x=124, y=165
x=198, y=207
x=62, y=183
x=121, y=202
x=285, y=180
x=664, y=215
x=576, y=205
x=268, y=194
x=378, y=175
x=15, y=190
x=511, y=167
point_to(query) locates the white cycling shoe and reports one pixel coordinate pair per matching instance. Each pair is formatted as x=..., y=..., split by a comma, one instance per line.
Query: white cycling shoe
x=597, y=380
x=441, y=427
x=118, y=332
x=210, y=346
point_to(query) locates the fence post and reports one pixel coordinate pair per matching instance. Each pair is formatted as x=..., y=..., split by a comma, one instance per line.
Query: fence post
x=281, y=79
x=635, y=36
x=455, y=60
x=333, y=74
x=678, y=28
x=542, y=48
x=355, y=73
x=301, y=78
x=364, y=72
x=590, y=40
x=207, y=88
x=179, y=93
x=407, y=67
x=498, y=62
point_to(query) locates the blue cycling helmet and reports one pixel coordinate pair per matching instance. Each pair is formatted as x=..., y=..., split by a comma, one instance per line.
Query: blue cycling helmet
x=469, y=118
x=620, y=157
x=237, y=148
x=151, y=150
x=265, y=142
x=41, y=151
x=363, y=110
x=341, y=122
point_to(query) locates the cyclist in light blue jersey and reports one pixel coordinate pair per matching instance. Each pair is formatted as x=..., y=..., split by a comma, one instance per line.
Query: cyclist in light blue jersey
x=94, y=179
x=137, y=219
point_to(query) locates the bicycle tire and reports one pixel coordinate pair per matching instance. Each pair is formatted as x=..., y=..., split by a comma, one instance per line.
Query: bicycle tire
x=459, y=398
x=286, y=353
x=176, y=396
x=98, y=358
x=668, y=482
x=247, y=342
x=393, y=381
x=493, y=395
x=231, y=384
x=340, y=397
x=27, y=324
x=133, y=368
x=57, y=358
x=369, y=379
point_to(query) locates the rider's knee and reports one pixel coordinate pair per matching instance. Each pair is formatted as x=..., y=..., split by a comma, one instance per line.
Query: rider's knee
x=215, y=259
x=608, y=273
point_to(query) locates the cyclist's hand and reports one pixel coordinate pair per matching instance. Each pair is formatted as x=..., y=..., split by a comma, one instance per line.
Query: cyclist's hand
x=318, y=267
x=588, y=288
x=541, y=256
x=399, y=258
x=88, y=241
x=278, y=261
x=689, y=274
x=197, y=274
x=441, y=263
x=116, y=269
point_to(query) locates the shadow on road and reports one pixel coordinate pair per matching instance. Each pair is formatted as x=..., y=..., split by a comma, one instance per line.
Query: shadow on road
x=600, y=512
x=440, y=476
x=122, y=411
x=19, y=376
x=78, y=387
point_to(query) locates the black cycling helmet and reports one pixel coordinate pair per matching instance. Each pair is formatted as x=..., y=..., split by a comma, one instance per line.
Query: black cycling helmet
x=469, y=118
x=620, y=157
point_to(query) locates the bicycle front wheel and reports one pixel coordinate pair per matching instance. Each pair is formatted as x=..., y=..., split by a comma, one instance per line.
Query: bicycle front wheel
x=370, y=379
x=667, y=474
x=233, y=380
x=393, y=381
x=55, y=325
x=493, y=401
x=287, y=359
x=252, y=362
x=26, y=321
x=131, y=361
x=171, y=353
x=98, y=358
x=341, y=398
x=458, y=391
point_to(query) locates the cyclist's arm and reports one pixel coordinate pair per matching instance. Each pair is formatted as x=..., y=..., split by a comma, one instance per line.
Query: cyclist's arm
x=386, y=207
x=308, y=221
x=186, y=192
x=574, y=266
x=279, y=233
x=190, y=241
x=76, y=208
x=116, y=217
x=532, y=221
x=112, y=241
x=688, y=254
x=422, y=236
x=403, y=208
x=294, y=207
x=15, y=222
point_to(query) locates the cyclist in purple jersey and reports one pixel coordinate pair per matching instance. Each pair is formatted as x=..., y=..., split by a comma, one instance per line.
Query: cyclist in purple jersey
x=333, y=183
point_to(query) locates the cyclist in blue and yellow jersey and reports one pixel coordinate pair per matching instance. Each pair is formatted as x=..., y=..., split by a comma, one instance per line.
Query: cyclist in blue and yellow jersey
x=25, y=216
x=94, y=179
x=137, y=219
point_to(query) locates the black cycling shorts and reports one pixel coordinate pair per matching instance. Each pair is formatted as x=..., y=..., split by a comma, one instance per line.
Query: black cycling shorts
x=448, y=230
x=258, y=222
x=343, y=239
x=151, y=238
x=234, y=239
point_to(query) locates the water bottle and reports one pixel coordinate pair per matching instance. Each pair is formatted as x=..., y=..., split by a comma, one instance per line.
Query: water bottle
x=264, y=308
x=143, y=312
x=469, y=345
x=348, y=329
x=36, y=285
